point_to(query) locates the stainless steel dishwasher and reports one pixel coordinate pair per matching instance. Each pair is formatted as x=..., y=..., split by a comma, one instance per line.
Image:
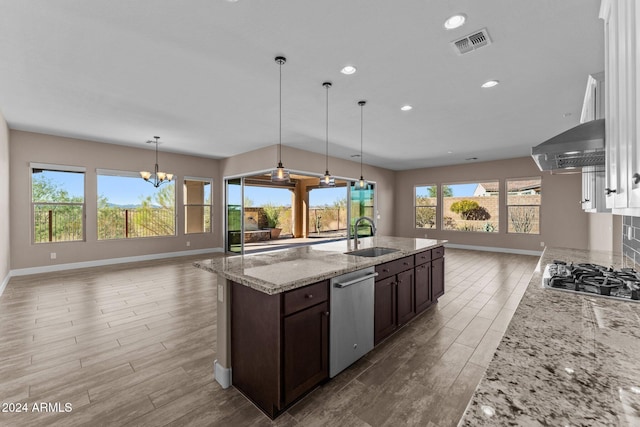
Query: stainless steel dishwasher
x=351, y=330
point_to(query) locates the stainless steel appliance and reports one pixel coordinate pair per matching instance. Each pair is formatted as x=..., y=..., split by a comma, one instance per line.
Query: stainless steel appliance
x=580, y=146
x=593, y=279
x=351, y=318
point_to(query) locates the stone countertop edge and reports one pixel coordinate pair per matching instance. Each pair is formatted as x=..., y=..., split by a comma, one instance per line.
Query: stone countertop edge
x=565, y=358
x=329, y=257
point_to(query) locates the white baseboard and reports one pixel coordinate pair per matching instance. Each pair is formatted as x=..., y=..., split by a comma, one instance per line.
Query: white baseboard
x=493, y=249
x=221, y=374
x=110, y=261
x=4, y=283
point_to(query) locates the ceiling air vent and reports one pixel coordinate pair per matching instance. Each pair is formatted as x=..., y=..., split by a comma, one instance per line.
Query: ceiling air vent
x=472, y=41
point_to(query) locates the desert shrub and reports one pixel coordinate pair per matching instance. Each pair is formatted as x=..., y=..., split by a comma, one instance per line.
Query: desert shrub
x=478, y=214
x=464, y=207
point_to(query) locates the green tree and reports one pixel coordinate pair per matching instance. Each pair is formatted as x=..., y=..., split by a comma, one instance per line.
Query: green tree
x=446, y=191
x=156, y=215
x=53, y=205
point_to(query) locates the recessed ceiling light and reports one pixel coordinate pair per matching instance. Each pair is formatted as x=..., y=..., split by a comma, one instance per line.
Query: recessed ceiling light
x=406, y=107
x=471, y=158
x=449, y=152
x=566, y=115
x=349, y=69
x=490, y=83
x=455, y=21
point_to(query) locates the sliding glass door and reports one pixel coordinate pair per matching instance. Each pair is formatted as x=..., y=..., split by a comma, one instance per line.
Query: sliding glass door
x=234, y=213
x=361, y=203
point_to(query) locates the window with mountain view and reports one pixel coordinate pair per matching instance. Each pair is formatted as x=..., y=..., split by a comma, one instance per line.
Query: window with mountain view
x=57, y=201
x=129, y=207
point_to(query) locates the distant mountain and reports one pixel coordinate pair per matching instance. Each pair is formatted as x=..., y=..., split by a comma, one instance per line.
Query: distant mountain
x=129, y=206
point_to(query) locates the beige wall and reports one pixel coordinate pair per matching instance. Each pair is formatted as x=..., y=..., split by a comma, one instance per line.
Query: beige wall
x=5, y=242
x=305, y=161
x=605, y=232
x=26, y=147
x=563, y=223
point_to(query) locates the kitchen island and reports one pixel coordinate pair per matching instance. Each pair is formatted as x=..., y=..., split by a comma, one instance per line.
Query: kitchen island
x=565, y=359
x=273, y=309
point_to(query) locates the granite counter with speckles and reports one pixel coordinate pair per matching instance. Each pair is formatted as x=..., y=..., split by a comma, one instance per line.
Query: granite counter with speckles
x=282, y=270
x=566, y=359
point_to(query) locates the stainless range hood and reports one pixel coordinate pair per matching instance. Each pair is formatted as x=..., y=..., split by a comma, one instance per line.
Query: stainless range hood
x=580, y=146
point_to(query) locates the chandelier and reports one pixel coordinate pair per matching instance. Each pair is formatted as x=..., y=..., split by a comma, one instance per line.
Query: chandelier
x=157, y=178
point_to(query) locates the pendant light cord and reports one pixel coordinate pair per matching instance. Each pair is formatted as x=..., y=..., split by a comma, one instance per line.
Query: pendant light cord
x=280, y=134
x=361, y=131
x=327, y=130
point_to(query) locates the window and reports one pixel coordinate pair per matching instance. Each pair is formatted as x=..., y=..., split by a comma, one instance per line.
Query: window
x=471, y=206
x=197, y=205
x=57, y=199
x=129, y=207
x=524, y=196
x=426, y=204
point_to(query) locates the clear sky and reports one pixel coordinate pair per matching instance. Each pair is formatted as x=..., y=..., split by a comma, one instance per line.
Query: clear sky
x=458, y=190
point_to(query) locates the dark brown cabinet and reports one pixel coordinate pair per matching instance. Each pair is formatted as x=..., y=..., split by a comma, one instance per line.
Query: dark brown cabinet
x=384, y=315
x=437, y=278
x=394, y=297
x=423, y=286
x=279, y=343
x=406, y=287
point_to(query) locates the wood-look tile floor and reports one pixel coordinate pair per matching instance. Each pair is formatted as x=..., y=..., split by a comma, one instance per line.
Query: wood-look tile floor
x=134, y=344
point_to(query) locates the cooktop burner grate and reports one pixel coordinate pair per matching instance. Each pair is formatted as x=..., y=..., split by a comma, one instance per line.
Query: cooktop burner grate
x=593, y=279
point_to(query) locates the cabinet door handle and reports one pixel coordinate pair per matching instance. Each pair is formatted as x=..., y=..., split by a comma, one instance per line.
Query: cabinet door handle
x=326, y=313
x=636, y=178
x=609, y=191
x=386, y=270
x=405, y=263
x=309, y=296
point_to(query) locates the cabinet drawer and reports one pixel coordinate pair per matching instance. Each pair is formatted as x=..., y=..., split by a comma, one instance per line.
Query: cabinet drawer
x=301, y=298
x=437, y=252
x=394, y=267
x=423, y=257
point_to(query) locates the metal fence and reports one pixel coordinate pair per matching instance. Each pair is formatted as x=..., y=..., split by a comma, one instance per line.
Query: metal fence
x=58, y=222
x=327, y=219
x=116, y=223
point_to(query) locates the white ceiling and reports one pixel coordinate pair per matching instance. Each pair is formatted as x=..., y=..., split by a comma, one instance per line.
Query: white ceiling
x=201, y=74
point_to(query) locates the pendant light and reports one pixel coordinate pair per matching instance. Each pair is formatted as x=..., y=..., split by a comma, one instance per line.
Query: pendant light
x=280, y=174
x=361, y=184
x=159, y=178
x=327, y=180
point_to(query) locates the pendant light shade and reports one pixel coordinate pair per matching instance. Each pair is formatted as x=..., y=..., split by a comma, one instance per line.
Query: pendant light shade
x=327, y=180
x=361, y=184
x=280, y=174
x=156, y=178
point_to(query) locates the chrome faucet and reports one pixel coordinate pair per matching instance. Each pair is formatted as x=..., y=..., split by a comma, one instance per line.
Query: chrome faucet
x=355, y=229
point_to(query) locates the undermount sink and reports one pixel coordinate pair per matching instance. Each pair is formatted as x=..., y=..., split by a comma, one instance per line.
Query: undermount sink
x=372, y=252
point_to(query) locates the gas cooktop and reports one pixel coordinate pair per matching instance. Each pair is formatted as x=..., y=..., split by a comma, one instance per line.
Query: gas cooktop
x=593, y=279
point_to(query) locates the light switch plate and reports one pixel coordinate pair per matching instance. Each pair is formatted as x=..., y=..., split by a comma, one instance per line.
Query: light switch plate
x=220, y=293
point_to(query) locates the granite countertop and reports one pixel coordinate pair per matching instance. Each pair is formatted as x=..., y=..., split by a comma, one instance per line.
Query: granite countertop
x=565, y=359
x=282, y=270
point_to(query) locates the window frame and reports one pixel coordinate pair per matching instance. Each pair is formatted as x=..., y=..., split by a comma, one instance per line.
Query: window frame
x=58, y=168
x=132, y=174
x=508, y=205
x=187, y=205
x=415, y=207
x=496, y=231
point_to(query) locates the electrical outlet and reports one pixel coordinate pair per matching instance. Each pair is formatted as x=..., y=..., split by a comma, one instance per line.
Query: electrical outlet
x=188, y=243
x=53, y=255
x=542, y=244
